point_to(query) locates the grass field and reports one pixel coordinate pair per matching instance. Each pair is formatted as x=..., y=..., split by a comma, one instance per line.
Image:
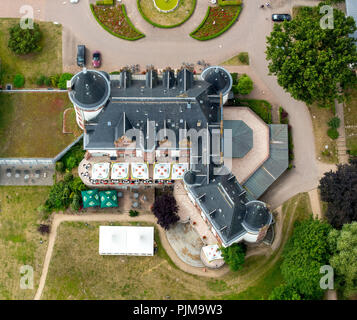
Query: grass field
x=47, y=62
x=236, y=60
x=77, y=271
x=320, y=117
x=19, y=239
x=181, y=13
x=31, y=124
x=350, y=112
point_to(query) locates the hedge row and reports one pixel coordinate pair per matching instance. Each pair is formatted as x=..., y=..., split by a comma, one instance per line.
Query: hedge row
x=116, y=34
x=105, y=3
x=161, y=25
x=223, y=3
x=215, y=35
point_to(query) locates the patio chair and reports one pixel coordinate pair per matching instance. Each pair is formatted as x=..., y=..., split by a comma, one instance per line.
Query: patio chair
x=8, y=173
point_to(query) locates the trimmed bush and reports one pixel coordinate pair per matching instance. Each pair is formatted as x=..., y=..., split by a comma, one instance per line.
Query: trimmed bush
x=105, y=3
x=41, y=80
x=334, y=122
x=223, y=3
x=19, y=81
x=133, y=213
x=333, y=133
x=245, y=84
x=243, y=57
x=62, y=82
x=234, y=76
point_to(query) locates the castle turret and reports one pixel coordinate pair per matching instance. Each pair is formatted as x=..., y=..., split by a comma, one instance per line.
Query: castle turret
x=89, y=91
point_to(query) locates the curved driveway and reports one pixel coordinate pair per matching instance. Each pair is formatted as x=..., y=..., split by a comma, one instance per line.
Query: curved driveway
x=171, y=47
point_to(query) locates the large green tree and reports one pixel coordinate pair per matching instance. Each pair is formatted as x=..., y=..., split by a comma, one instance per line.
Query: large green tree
x=24, y=41
x=234, y=256
x=344, y=260
x=304, y=254
x=312, y=63
x=284, y=292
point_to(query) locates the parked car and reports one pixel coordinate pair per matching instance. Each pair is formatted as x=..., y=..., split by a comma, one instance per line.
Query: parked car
x=81, y=56
x=97, y=59
x=73, y=1
x=281, y=17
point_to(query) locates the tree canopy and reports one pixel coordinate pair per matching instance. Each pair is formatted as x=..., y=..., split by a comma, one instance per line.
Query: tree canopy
x=165, y=210
x=304, y=254
x=284, y=292
x=339, y=190
x=245, y=84
x=234, y=256
x=312, y=63
x=344, y=259
x=24, y=41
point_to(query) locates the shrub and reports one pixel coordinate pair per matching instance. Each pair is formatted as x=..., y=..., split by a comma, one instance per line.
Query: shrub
x=41, y=80
x=334, y=122
x=60, y=166
x=243, y=57
x=133, y=213
x=333, y=133
x=44, y=229
x=73, y=157
x=245, y=84
x=234, y=76
x=105, y=3
x=75, y=205
x=234, y=256
x=24, y=41
x=54, y=80
x=19, y=81
x=47, y=82
x=284, y=292
x=68, y=177
x=62, y=82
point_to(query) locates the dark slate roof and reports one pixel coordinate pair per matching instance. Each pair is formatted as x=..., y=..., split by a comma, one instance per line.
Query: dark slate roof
x=242, y=138
x=276, y=164
x=189, y=177
x=90, y=89
x=220, y=79
x=157, y=106
x=223, y=200
x=351, y=10
x=257, y=216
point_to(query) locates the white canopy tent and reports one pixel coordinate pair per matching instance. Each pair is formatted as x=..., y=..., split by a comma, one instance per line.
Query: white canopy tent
x=162, y=171
x=139, y=171
x=178, y=170
x=100, y=171
x=120, y=171
x=212, y=252
x=126, y=240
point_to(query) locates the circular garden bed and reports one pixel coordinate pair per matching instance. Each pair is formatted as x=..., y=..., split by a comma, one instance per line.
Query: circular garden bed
x=166, y=13
x=166, y=6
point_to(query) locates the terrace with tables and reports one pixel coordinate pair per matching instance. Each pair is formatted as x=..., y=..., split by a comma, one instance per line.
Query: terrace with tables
x=104, y=172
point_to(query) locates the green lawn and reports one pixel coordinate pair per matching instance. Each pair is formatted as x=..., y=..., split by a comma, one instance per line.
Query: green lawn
x=166, y=4
x=166, y=19
x=350, y=112
x=47, y=62
x=31, y=124
x=240, y=59
x=19, y=238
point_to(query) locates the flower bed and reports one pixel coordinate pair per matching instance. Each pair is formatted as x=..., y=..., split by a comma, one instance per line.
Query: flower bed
x=115, y=20
x=217, y=21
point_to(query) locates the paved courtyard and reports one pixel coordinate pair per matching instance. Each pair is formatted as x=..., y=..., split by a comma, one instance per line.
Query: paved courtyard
x=244, y=167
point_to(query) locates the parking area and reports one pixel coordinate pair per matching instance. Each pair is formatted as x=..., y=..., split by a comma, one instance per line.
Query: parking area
x=26, y=175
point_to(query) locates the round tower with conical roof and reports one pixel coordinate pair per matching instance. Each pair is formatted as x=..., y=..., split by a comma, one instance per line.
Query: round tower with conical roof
x=89, y=91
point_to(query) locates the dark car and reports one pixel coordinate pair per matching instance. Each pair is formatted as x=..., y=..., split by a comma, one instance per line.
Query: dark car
x=281, y=17
x=81, y=56
x=97, y=60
